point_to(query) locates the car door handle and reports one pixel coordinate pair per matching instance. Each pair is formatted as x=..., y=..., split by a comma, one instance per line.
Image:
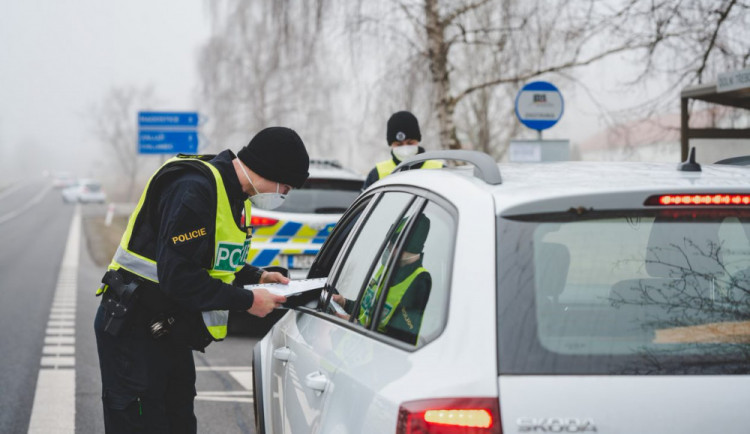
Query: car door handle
x=283, y=354
x=316, y=381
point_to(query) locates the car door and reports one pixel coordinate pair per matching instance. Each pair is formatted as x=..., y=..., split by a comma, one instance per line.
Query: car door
x=378, y=352
x=315, y=341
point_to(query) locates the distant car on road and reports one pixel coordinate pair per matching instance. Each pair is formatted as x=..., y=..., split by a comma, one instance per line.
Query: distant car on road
x=63, y=180
x=84, y=191
x=561, y=297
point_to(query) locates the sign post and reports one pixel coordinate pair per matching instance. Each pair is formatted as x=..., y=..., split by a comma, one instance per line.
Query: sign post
x=539, y=105
x=167, y=132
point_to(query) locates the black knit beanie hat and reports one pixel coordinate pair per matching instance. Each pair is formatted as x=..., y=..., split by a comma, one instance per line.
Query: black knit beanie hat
x=401, y=126
x=277, y=154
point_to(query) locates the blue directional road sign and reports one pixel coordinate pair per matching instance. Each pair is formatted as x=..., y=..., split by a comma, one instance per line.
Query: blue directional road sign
x=167, y=119
x=167, y=142
x=167, y=132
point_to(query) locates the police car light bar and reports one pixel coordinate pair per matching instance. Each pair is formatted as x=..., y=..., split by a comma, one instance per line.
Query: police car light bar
x=718, y=199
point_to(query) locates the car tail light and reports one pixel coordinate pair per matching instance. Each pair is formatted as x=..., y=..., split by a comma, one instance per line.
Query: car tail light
x=718, y=199
x=262, y=221
x=449, y=416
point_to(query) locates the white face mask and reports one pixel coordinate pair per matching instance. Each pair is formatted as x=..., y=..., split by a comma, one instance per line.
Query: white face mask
x=264, y=200
x=405, y=151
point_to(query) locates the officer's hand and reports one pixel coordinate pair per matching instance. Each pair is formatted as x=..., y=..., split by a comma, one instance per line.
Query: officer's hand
x=264, y=302
x=273, y=277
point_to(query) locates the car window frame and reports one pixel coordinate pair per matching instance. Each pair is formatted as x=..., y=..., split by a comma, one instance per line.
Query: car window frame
x=317, y=308
x=353, y=236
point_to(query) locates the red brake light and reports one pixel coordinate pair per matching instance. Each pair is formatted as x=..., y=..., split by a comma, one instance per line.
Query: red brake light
x=719, y=199
x=450, y=416
x=262, y=221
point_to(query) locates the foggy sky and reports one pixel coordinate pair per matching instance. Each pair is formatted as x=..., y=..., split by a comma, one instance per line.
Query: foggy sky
x=59, y=58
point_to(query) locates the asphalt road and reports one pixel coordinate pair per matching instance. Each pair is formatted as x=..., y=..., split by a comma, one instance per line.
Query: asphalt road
x=34, y=229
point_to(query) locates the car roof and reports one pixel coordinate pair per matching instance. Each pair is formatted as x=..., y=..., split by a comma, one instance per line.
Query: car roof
x=332, y=169
x=559, y=186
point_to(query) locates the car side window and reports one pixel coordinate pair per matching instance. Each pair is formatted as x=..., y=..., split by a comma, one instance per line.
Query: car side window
x=414, y=306
x=366, y=249
x=325, y=259
x=380, y=272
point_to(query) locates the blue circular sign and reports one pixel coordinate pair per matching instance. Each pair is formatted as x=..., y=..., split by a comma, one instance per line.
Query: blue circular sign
x=539, y=105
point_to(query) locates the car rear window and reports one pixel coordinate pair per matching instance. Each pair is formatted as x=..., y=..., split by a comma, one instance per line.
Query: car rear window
x=322, y=196
x=648, y=292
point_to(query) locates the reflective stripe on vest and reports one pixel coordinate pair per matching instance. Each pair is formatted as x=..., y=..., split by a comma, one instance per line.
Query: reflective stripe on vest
x=231, y=245
x=386, y=167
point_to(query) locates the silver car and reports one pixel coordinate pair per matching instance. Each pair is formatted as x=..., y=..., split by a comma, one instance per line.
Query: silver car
x=84, y=191
x=558, y=297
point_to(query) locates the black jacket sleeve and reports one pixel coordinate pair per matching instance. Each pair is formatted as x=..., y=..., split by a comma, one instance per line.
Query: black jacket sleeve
x=187, y=207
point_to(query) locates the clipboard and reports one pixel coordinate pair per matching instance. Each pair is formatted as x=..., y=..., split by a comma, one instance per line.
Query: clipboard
x=297, y=292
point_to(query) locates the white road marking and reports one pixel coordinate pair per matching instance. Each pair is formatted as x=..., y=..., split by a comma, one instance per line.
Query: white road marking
x=58, y=349
x=223, y=399
x=241, y=374
x=63, y=340
x=55, y=331
x=245, y=378
x=222, y=368
x=54, y=405
x=18, y=211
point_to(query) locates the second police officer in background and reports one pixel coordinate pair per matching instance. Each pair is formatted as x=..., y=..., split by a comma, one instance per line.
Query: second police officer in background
x=403, y=136
x=172, y=279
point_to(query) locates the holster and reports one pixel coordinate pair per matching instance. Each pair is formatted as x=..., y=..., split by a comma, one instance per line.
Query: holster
x=119, y=301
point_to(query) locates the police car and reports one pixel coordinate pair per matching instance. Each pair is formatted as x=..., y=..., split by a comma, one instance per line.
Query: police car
x=565, y=297
x=291, y=235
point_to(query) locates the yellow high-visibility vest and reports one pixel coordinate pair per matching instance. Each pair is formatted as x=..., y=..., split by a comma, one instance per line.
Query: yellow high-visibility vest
x=231, y=243
x=386, y=167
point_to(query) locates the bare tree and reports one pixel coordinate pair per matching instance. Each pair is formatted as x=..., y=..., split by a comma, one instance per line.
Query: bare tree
x=115, y=125
x=259, y=70
x=469, y=56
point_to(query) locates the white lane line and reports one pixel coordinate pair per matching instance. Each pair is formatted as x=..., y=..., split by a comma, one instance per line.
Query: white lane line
x=61, y=340
x=223, y=399
x=54, y=407
x=241, y=374
x=58, y=349
x=226, y=393
x=50, y=413
x=222, y=368
x=245, y=378
x=18, y=211
x=12, y=189
x=57, y=331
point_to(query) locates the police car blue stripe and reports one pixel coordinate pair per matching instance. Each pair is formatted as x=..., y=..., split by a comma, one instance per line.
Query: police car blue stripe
x=289, y=229
x=284, y=234
x=326, y=230
x=264, y=258
x=310, y=252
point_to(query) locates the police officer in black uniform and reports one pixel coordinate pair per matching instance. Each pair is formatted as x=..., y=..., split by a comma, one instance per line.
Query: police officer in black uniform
x=178, y=270
x=403, y=137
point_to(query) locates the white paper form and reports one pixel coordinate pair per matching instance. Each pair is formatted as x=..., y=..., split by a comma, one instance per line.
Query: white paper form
x=293, y=288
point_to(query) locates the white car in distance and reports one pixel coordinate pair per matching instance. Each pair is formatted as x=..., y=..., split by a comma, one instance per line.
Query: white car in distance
x=84, y=191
